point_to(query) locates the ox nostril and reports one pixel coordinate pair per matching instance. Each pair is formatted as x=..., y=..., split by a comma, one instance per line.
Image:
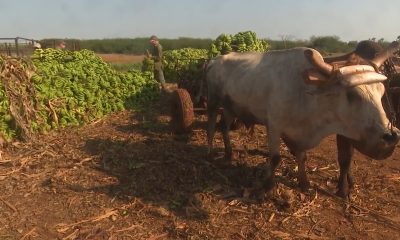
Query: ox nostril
x=390, y=137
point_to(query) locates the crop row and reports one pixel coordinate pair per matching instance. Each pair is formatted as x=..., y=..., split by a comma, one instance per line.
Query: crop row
x=69, y=89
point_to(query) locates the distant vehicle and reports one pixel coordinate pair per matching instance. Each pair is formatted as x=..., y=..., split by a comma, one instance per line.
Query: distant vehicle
x=18, y=46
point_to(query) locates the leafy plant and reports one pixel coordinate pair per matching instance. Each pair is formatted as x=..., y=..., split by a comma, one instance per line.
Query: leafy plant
x=74, y=88
x=240, y=42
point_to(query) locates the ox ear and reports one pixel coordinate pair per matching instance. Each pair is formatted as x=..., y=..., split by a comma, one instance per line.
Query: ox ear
x=360, y=78
x=314, y=77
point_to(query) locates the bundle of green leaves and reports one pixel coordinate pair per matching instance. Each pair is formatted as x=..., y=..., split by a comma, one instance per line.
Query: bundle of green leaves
x=6, y=120
x=240, y=42
x=74, y=88
x=185, y=63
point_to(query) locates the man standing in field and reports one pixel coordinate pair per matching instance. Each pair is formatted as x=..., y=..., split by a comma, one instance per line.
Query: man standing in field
x=156, y=55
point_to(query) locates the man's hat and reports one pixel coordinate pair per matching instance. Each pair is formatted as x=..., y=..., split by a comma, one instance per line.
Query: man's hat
x=154, y=37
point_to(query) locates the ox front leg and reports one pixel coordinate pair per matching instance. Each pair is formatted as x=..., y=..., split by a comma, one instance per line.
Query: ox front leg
x=273, y=140
x=302, y=178
x=226, y=123
x=345, y=153
x=265, y=178
x=212, y=119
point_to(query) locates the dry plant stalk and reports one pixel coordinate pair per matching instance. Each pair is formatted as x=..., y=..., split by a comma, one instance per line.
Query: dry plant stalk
x=8, y=204
x=65, y=227
x=29, y=234
x=15, y=75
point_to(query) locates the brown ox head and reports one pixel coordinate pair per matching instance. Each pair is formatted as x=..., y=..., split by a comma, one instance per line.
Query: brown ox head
x=355, y=68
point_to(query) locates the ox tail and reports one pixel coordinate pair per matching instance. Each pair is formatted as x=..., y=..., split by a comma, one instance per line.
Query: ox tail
x=202, y=93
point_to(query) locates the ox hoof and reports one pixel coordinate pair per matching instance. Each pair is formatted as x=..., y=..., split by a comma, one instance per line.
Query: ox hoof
x=258, y=195
x=267, y=184
x=265, y=179
x=343, y=194
x=231, y=156
x=263, y=190
x=344, y=188
x=210, y=156
x=270, y=184
x=305, y=186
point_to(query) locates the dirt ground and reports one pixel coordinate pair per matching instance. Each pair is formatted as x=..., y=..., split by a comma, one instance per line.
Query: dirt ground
x=128, y=177
x=121, y=58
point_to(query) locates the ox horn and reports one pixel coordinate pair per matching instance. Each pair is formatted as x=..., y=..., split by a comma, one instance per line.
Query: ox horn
x=318, y=62
x=385, y=54
x=340, y=58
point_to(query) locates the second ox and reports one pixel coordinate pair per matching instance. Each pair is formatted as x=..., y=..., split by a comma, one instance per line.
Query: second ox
x=301, y=99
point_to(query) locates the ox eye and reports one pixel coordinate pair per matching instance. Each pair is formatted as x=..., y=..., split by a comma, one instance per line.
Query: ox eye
x=353, y=96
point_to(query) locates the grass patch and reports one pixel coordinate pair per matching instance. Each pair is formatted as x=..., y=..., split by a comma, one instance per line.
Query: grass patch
x=125, y=67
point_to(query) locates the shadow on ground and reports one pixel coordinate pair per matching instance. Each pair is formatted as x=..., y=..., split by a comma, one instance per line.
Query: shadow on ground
x=167, y=170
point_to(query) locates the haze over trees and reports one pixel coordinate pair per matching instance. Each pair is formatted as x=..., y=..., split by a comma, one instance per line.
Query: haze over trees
x=325, y=44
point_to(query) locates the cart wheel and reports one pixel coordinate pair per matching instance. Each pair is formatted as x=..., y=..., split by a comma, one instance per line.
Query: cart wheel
x=182, y=111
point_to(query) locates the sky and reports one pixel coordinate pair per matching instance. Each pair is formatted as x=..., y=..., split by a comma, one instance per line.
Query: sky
x=274, y=19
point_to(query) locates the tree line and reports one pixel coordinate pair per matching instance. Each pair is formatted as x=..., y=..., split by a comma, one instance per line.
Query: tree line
x=128, y=45
x=325, y=44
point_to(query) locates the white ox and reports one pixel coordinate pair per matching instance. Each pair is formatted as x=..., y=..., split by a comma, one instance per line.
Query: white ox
x=301, y=99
